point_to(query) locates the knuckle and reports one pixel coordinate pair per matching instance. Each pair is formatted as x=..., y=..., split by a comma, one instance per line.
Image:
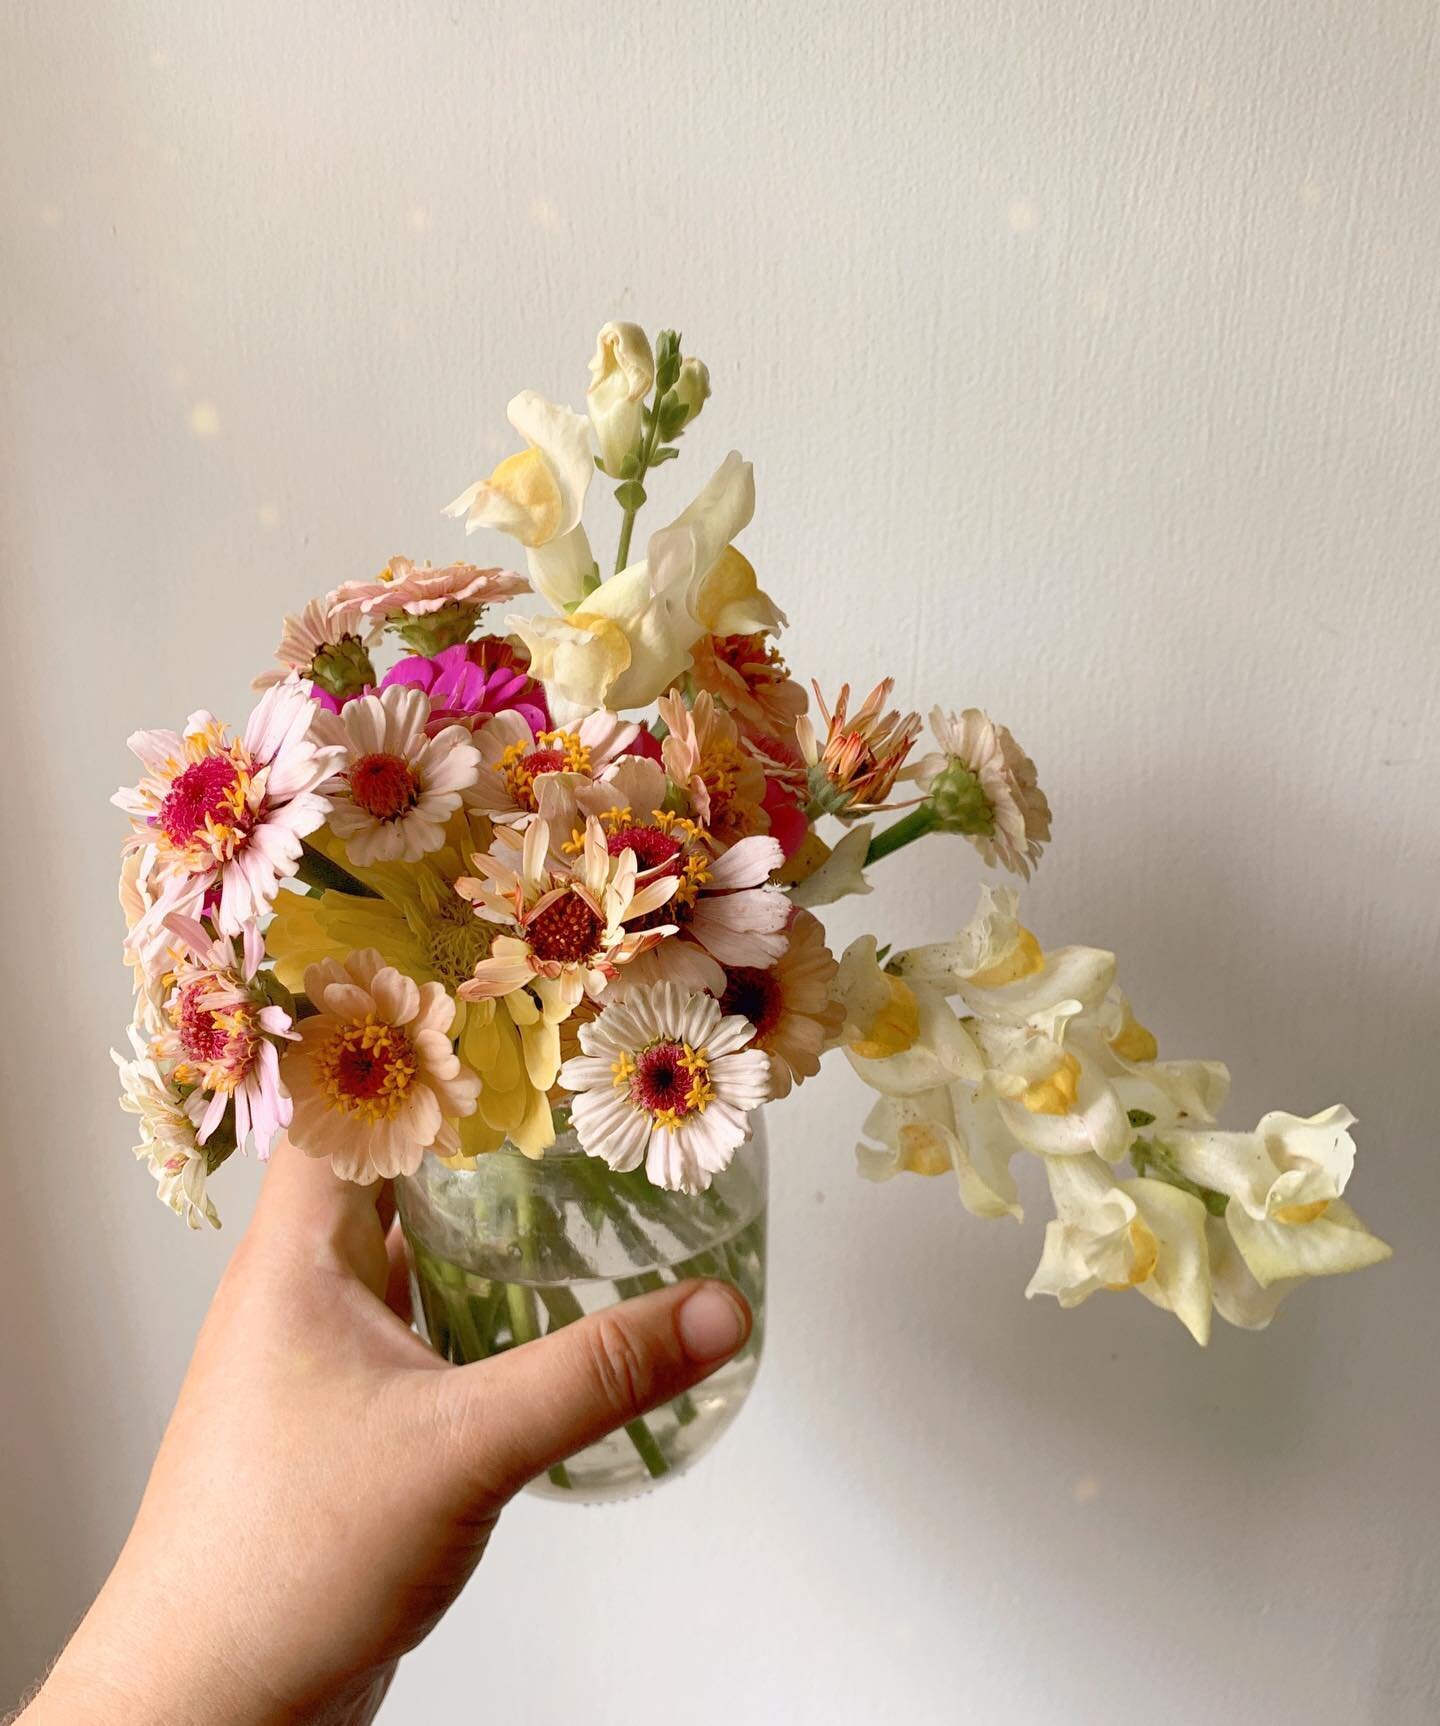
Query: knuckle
x=623, y=1371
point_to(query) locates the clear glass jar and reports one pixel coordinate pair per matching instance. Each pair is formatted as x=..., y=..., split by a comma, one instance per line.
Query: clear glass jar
x=516, y=1248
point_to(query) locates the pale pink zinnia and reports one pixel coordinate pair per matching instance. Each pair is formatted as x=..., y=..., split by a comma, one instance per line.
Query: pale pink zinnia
x=416, y=589
x=324, y=626
x=983, y=784
x=226, y=815
x=666, y=1079
x=395, y=786
x=217, y=1033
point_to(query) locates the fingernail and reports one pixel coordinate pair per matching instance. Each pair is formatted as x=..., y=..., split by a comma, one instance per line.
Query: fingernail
x=712, y=1323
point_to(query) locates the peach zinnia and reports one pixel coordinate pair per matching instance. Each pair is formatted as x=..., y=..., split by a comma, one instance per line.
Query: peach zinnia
x=374, y=1079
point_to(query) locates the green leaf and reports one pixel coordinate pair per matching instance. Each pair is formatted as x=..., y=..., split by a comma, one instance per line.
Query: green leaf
x=631, y=495
x=1139, y=1118
x=666, y=452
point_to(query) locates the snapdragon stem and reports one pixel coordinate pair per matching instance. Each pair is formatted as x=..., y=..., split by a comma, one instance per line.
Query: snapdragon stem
x=903, y=832
x=647, y=451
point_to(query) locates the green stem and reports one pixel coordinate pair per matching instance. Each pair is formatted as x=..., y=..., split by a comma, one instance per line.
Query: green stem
x=903, y=832
x=647, y=451
x=316, y=870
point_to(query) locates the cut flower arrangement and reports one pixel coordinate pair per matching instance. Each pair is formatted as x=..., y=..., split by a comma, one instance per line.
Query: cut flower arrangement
x=525, y=920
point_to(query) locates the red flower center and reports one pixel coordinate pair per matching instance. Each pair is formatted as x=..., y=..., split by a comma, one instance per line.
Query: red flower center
x=566, y=931
x=756, y=996
x=670, y=1081
x=545, y=761
x=653, y=849
x=199, y=794
x=361, y=1073
x=383, y=786
x=201, y=1038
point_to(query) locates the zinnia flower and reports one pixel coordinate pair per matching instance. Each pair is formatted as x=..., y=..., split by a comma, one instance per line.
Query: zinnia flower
x=409, y=589
x=724, y=908
x=327, y=643
x=464, y=685
x=374, y=1079
x=666, y=1079
x=705, y=758
x=217, y=1034
x=396, y=787
x=982, y=784
x=422, y=927
x=747, y=674
x=226, y=816
x=855, y=769
x=167, y=1128
x=526, y=771
x=566, y=927
x=789, y=1003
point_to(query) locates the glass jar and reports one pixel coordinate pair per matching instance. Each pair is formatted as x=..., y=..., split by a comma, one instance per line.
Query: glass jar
x=516, y=1247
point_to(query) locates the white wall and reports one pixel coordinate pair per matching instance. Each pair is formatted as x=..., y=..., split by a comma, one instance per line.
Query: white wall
x=1086, y=352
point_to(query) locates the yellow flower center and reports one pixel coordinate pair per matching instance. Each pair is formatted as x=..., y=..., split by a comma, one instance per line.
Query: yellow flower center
x=366, y=1069
x=1055, y=1095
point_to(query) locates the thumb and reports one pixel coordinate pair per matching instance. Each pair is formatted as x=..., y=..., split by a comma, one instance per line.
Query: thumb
x=527, y=1409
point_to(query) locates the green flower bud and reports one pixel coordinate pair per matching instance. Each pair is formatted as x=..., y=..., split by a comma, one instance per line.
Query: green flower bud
x=344, y=668
x=454, y=622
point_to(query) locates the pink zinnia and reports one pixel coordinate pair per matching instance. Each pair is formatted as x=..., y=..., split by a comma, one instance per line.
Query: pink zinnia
x=465, y=686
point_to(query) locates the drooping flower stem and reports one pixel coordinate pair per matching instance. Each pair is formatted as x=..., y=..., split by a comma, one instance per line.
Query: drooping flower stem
x=900, y=833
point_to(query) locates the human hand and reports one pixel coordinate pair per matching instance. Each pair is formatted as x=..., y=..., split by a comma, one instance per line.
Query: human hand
x=327, y=1484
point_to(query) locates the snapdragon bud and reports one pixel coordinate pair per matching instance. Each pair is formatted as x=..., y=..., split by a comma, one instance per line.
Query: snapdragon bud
x=692, y=387
x=622, y=372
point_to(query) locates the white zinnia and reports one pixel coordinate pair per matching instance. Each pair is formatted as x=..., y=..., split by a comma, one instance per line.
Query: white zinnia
x=667, y=1080
x=396, y=787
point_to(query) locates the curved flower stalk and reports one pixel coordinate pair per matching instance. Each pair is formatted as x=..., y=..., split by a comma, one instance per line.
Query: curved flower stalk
x=1064, y=1070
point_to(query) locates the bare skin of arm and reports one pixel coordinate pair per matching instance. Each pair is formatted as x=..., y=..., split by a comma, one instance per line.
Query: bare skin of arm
x=326, y=1484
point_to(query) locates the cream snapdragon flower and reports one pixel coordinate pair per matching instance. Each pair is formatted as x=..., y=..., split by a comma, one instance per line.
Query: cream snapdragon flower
x=1110, y=1234
x=538, y=497
x=1284, y=1183
x=623, y=644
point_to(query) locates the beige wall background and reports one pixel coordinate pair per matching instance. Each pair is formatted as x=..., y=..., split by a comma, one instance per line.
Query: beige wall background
x=1086, y=352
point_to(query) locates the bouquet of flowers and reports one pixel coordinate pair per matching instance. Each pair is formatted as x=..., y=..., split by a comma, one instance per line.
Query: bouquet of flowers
x=550, y=886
